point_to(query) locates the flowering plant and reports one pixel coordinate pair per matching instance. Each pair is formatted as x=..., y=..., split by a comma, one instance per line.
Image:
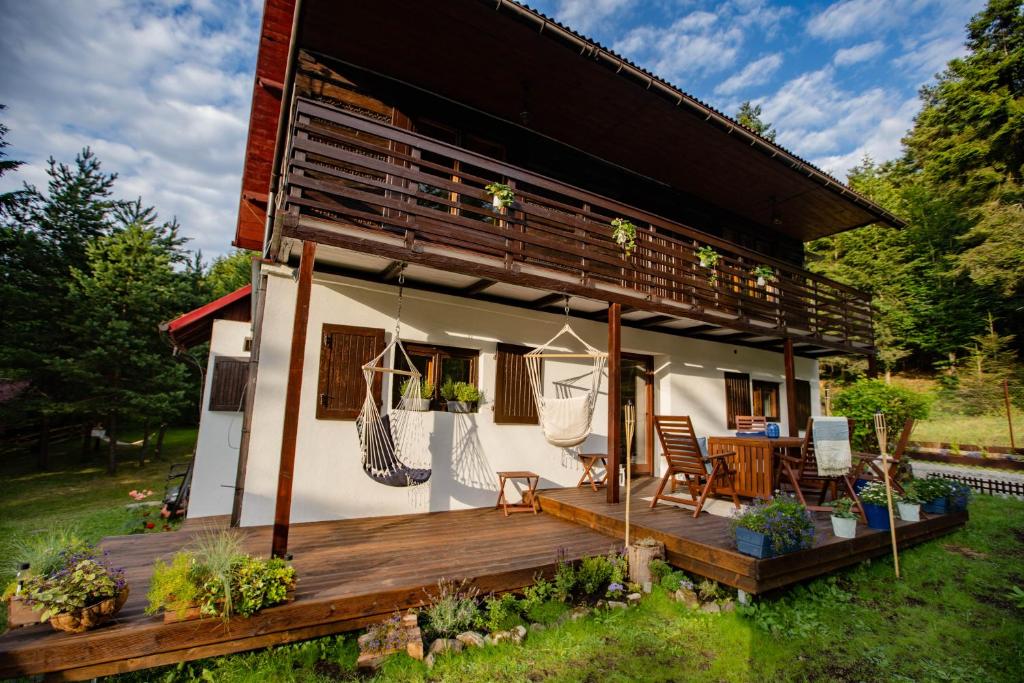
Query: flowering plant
x=842, y=508
x=386, y=636
x=874, y=494
x=81, y=579
x=615, y=590
x=784, y=520
x=140, y=495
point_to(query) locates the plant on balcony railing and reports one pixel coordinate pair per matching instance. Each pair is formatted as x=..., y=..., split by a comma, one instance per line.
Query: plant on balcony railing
x=502, y=195
x=764, y=274
x=709, y=259
x=624, y=234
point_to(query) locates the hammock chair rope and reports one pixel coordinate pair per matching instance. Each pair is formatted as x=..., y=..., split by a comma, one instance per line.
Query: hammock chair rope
x=566, y=421
x=382, y=437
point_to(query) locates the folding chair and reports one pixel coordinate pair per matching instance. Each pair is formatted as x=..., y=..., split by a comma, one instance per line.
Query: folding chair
x=873, y=461
x=751, y=423
x=176, y=494
x=802, y=470
x=703, y=474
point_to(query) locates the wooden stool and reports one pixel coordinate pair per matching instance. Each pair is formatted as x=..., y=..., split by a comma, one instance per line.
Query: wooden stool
x=529, y=502
x=589, y=460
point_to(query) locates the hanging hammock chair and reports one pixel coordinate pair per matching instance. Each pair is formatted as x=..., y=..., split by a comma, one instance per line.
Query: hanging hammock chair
x=382, y=437
x=566, y=422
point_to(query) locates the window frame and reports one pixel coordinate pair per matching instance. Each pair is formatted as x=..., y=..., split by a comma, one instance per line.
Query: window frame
x=757, y=389
x=437, y=353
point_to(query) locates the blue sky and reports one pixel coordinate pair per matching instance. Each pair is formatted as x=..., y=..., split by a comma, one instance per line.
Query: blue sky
x=160, y=89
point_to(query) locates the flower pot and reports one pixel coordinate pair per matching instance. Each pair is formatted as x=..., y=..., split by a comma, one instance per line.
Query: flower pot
x=461, y=407
x=761, y=281
x=939, y=506
x=909, y=512
x=957, y=502
x=844, y=527
x=20, y=614
x=705, y=263
x=859, y=485
x=496, y=202
x=878, y=516
x=90, y=617
x=419, y=405
x=757, y=545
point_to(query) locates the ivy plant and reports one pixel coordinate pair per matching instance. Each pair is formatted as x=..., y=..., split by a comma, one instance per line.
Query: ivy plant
x=503, y=196
x=764, y=274
x=624, y=233
x=708, y=256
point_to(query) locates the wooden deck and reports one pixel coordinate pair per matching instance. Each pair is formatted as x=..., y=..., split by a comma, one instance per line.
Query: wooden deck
x=704, y=545
x=351, y=572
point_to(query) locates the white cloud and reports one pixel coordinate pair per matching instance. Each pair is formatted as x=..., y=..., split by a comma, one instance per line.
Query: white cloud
x=926, y=59
x=755, y=73
x=161, y=93
x=858, y=53
x=696, y=43
x=585, y=15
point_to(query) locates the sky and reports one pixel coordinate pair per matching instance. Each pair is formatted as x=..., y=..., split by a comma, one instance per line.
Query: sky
x=161, y=89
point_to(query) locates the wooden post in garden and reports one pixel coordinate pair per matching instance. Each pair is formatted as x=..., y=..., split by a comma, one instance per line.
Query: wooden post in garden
x=883, y=444
x=629, y=416
x=790, y=366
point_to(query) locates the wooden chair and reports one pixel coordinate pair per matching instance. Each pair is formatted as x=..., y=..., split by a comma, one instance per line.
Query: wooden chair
x=802, y=471
x=683, y=456
x=869, y=465
x=751, y=423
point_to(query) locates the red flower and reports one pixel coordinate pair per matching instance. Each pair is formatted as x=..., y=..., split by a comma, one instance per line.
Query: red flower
x=150, y=525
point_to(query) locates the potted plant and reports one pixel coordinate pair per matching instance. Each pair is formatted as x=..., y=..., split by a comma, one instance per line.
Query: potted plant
x=909, y=503
x=624, y=233
x=844, y=519
x=502, y=196
x=37, y=554
x=933, y=493
x=81, y=593
x=959, y=496
x=708, y=256
x=461, y=397
x=876, y=508
x=419, y=403
x=764, y=275
x=769, y=528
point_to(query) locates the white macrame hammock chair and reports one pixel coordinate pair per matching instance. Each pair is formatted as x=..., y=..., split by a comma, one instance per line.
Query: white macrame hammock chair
x=382, y=437
x=566, y=422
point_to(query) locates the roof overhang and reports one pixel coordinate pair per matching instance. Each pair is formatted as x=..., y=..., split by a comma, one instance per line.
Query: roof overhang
x=514, y=63
x=196, y=326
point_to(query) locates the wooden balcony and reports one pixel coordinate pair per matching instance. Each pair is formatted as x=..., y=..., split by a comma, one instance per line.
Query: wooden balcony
x=371, y=188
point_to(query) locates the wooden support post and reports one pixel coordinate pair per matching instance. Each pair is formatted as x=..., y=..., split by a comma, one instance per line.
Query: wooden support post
x=872, y=366
x=614, y=399
x=1009, y=412
x=794, y=428
x=283, y=506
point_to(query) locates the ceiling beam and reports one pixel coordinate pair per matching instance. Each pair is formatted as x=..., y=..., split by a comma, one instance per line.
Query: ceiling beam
x=478, y=286
x=651, y=321
x=547, y=300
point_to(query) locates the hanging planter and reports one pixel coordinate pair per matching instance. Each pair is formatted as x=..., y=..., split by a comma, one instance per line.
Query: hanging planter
x=764, y=275
x=502, y=196
x=708, y=257
x=624, y=234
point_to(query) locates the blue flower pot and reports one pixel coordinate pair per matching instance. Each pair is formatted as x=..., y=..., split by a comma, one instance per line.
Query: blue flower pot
x=859, y=485
x=758, y=545
x=957, y=502
x=878, y=516
x=939, y=506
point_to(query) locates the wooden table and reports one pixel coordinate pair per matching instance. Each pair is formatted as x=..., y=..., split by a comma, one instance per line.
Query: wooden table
x=756, y=464
x=529, y=502
x=589, y=460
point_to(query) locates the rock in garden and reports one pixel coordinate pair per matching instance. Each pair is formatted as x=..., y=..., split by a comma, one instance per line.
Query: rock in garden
x=615, y=604
x=728, y=606
x=445, y=645
x=429, y=661
x=578, y=613
x=518, y=634
x=633, y=598
x=536, y=628
x=470, y=639
x=600, y=604
x=687, y=597
x=710, y=608
x=497, y=637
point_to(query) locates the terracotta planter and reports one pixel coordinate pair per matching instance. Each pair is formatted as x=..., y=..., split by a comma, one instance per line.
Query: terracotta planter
x=90, y=617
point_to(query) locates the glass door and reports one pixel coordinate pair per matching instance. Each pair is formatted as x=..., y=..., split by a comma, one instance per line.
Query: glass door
x=637, y=382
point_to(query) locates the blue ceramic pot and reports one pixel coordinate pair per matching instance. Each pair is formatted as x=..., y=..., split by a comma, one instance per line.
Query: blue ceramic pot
x=939, y=506
x=878, y=516
x=758, y=545
x=957, y=502
x=859, y=485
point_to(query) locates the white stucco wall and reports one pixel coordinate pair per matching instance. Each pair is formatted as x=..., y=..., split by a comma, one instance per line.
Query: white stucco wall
x=463, y=450
x=220, y=432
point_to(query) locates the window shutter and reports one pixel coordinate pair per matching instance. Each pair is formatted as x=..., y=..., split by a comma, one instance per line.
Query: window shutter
x=341, y=387
x=227, y=388
x=737, y=396
x=803, y=402
x=513, y=399
x=770, y=391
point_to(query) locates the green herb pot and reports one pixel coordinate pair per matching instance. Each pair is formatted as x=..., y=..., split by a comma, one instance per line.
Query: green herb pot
x=844, y=527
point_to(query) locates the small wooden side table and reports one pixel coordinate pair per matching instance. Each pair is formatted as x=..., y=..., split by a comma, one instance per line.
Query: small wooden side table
x=529, y=502
x=589, y=460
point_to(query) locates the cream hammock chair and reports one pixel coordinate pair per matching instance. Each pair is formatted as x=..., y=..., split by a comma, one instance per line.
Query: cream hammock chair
x=382, y=437
x=566, y=422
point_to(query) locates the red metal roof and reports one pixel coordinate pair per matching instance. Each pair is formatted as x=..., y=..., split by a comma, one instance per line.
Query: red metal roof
x=195, y=327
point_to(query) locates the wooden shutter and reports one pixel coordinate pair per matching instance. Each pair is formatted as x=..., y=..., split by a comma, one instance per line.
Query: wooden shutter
x=341, y=387
x=770, y=391
x=513, y=397
x=737, y=396
x=803, y=402
x=227, y=388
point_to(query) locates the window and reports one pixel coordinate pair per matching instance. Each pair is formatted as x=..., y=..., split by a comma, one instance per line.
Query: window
x=803, y=403
x=766, y=399
x=737, y=397
x=513, y=396
x=341, y=388
x=227, y=387
x=437, y=364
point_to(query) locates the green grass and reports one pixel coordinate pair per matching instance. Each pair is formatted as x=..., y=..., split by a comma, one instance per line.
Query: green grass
x=951, y=618
x=984, y=430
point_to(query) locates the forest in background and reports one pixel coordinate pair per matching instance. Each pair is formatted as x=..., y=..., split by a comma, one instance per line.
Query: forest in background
x=85, y=279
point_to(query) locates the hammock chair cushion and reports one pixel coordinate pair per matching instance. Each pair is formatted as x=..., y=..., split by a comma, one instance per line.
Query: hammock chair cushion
x=566, y=421
x=382, y=450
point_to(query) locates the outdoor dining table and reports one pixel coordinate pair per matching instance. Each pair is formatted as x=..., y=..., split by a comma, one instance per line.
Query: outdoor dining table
x=756, y=461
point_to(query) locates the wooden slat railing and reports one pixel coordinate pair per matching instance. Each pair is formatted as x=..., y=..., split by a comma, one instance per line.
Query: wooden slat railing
x=346, y=168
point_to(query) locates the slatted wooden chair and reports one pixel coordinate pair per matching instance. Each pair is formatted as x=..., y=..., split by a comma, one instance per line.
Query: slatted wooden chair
x=702, y=474
x=801, y=472
x=869, y=465
x=751, y=423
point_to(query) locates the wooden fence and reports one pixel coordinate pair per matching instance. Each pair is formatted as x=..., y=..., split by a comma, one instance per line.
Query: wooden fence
x=983, y=485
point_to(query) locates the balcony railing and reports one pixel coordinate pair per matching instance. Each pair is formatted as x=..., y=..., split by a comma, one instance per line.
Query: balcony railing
x=348, y=169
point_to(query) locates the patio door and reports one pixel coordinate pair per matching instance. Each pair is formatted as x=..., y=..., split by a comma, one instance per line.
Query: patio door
x=637, y=382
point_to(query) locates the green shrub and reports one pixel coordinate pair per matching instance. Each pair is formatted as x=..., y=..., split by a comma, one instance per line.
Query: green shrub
x=595, y=573
x=709, y=590
x=675, y=580
x=861, y=400
x=173, y=588
x=500, y=613
x=565, y=579
x=546, y=612
x=540, y=592
x=659, y=569
x=452, y=609
x=259, y=583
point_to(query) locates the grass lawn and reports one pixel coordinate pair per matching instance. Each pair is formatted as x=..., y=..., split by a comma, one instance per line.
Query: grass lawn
x=984, y=430
x=951, y=618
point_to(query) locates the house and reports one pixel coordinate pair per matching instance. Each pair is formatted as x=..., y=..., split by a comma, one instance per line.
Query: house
x=376, y=128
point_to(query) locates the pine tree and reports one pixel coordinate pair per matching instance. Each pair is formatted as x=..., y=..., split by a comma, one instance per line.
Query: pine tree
x=749, y=116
